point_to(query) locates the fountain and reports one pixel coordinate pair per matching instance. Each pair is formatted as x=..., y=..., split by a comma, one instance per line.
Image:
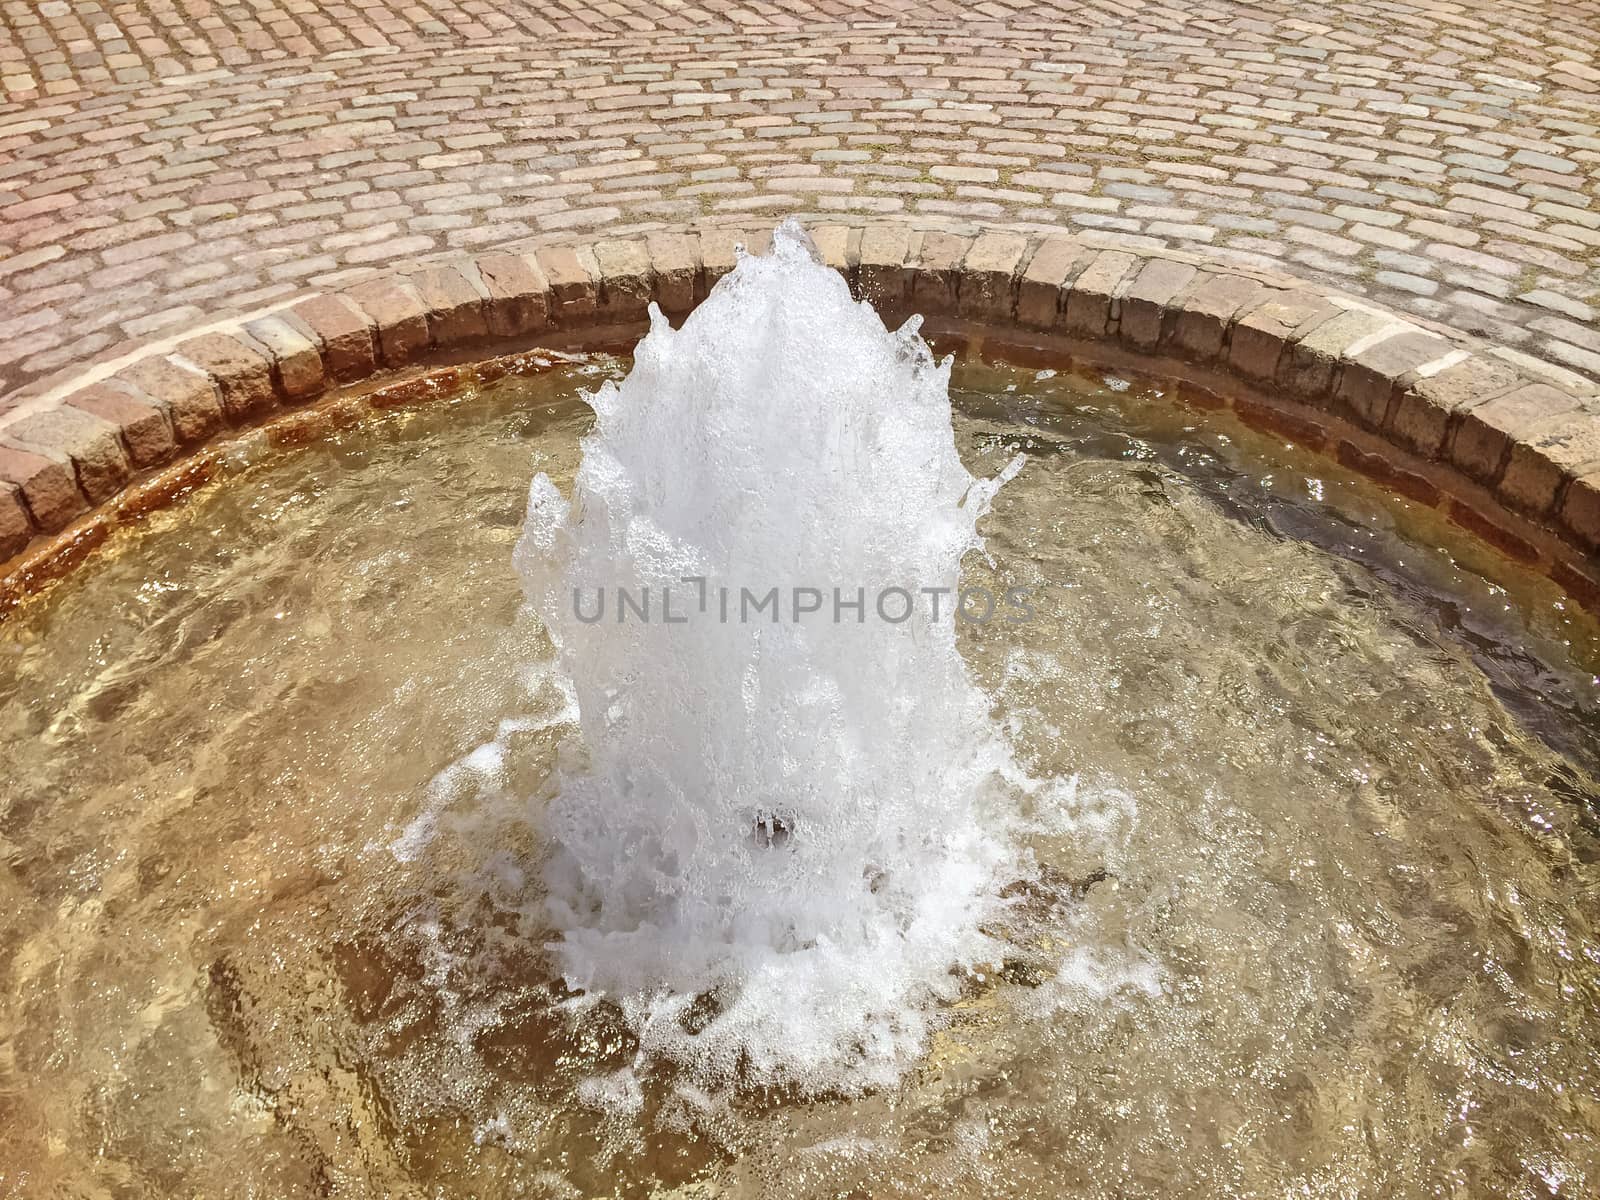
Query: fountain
x=792, y=802
x=769, y=827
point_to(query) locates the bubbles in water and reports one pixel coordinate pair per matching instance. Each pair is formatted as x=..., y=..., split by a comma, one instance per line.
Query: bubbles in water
x=788, y=831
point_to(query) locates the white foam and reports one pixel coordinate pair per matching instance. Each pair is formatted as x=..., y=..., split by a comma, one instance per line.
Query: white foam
x=783, y=437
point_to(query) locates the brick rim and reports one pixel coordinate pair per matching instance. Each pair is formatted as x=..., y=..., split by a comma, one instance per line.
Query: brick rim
x=1431, y=413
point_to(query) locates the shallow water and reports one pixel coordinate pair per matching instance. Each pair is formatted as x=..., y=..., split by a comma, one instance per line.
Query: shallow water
x=1336, y=934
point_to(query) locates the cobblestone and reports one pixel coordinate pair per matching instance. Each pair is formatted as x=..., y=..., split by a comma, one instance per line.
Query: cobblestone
x=165, y=162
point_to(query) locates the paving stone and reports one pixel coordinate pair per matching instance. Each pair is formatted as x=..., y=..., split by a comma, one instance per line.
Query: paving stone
x=91, y=444
x=1262, y=335
x=1199, y=326
x=626, y=278
x=188, y=396
x=399, y=319
x=1421, y=416
x=143, y=427
x=519, y=294
x=1370, y=378
x=296, y=361
x=16, y=526
x=343, y=332
x=1483, y=439
x=1088, y=309
x=48, y=485
x=1145, y=303
x=574, y=278
x=454, y=307
x=1553, y=453
x=935, y=279
x=883, y=277
x=989, y=276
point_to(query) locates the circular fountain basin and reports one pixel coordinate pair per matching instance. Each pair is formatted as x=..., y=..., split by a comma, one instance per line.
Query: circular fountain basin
x=273, y=762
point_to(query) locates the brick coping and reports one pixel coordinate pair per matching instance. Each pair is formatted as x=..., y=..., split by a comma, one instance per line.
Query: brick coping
x=1429, y=412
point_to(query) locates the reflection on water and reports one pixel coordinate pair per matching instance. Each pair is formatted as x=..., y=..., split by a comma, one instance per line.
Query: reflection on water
x=1346, y=945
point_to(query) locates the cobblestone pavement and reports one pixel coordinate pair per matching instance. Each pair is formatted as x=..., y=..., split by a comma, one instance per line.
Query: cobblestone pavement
x=164, y=162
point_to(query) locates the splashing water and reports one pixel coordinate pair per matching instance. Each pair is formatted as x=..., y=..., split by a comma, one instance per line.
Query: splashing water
x=788, y=831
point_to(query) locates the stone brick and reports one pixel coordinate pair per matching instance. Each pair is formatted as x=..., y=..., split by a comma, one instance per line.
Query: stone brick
x=243, y=375
x=143, y=427
x=519, y=294
x=676, y=261
x=1367, y=382
x=833, y=244
x=720, y=249
x=1144, y=304
x=454, y=308
x=1308, y=372
x=91, y=444
x=398, y=316
x=1420, y=417
x=16, y=526
x=883, y=278
x=1483, y=439
x=1087, y=311
x=627, y=279
x=296, y=361
x=1580, y=510
x=1199, y=325
x=1549, y=455
x=1264, y=333
x=48, y=484
x=188, y=396
x=936, y=274
x=574, y=277
x=1054, y=264
x=344, y=333
x=989, y=277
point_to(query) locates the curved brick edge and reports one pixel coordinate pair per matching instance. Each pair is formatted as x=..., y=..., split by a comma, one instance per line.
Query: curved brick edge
x=1440, y=417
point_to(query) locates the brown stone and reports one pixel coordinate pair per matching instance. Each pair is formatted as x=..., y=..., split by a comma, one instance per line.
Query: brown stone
x=1039, y=292
x=344, y=332
x=48, y=484
x=1262, y=335
x=1581, y=581
x=676, y=260
x=627, y=279
x=243, y=375
x=936, y=273
x=143, y=426
x=883, y=278
x=1087, y=311
x=16, y=526
x=296, y=360
x=1546, y=457
x=1367, y=382
x=1493, y=532
x=1302, y=429
x=574, y=277
x=398, y=316
x=89, y=443
x=519, y=294
x=1199, y=325
x=187, y=395
x=1394, y=478
x=1309, y=371
x=1421, y=414
x=989, y=277
x=453, y=307
x=1580, y=509
x=1485, y=435
x=1144, y=304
